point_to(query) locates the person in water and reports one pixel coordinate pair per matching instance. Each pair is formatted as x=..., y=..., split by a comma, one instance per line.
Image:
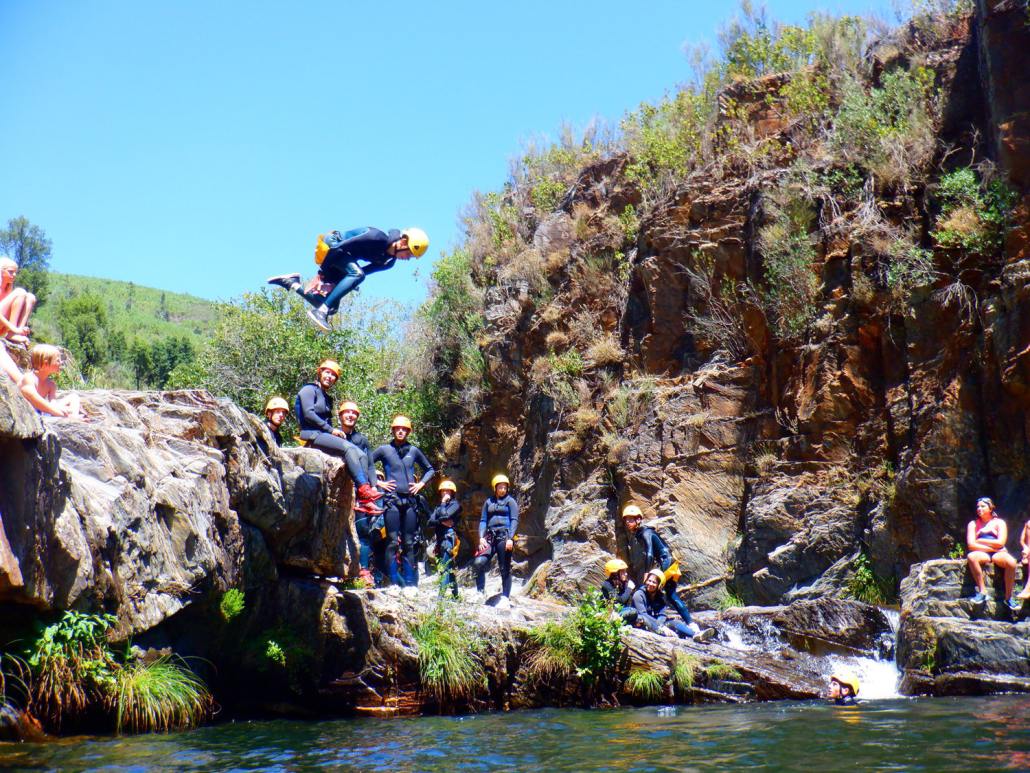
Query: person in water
x=1024, y=559
x=618, y=589
x=843, y=689
x=338, y=255
x=651, y=607
x=986, y=536
x=315, y=416
x=497, y=526
x=400, y=461
x=38, y=387
x=364, y=522
x=276, y=411
x=657, y=555
x=444, y=519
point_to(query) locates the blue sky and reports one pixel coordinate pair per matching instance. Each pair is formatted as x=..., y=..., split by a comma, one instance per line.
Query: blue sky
x=199, y=146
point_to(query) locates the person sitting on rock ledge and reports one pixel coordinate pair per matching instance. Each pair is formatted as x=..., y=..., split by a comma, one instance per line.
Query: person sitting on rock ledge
x=843, y=689
x=276, y=411
x=443, y=519
x=986, y=536
x=314, y=416
x=650, y=605
x=16, y=304
x=37, y=385
x=1024, y=559
x=618, y=589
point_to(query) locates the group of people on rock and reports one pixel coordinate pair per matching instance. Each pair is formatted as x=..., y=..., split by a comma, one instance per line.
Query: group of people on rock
x=986, y=537
x=36, y=383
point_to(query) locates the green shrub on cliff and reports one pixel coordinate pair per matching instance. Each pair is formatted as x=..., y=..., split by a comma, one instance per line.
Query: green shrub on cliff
x=159, y=696
x=448, y=655
x=791, y=293
x=232, y=604
x=975, y=211
x=865, y=586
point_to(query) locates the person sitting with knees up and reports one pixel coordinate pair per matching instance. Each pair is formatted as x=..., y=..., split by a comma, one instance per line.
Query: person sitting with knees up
x=276, y=411
x=315, y=416
x=1024, y=559
x=618, y=589
x=38, y=387
x=651, y=607
x=444, y=519
x=843, y=689
x=16, y=304
x=497, y=526
x=986, y=536
x=339, y=273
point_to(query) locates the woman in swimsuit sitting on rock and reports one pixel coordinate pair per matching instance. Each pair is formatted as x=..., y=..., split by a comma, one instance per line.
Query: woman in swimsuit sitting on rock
x=986, y=536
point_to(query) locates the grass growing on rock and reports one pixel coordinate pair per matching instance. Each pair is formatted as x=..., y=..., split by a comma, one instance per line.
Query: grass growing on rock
x=865, y=586
x=645, y=684
x=448, y=651
x=719, y=670
x=684, y=671
x=232, y=604
x=160, y=696
x=556, y=647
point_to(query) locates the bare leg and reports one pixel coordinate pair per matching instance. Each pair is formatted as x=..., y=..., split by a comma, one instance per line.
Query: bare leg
x=13, y=309
x=1007, y=563
x=976, y=571
x=1025, y=593
x=29, y=303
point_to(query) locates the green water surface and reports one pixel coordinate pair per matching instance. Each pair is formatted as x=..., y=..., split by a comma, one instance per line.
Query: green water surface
x=929, y=734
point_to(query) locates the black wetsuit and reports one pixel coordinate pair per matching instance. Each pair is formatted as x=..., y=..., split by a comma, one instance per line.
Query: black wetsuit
x=399, y=463
x=368, y=537
x=275, y=432
x=497, y=525
x=651, y=613
x=845, y=700
x=314, y=416
x=341, y=262
x=657, y=553
x=446, y=542
x=623, y=599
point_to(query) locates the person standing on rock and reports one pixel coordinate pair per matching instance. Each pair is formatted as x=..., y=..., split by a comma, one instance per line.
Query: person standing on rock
x=986, y=536
x=349, y=414
x=400, y=460
x=650, y=605
x=618, y=589
x=657, y=554
x=337, y=255
x=314, y=417
x=444, y=519
x=276, y=411
x=497, y=526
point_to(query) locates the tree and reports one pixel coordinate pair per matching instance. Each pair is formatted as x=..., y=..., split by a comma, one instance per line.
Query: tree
x=29, y=247
x=82, y=321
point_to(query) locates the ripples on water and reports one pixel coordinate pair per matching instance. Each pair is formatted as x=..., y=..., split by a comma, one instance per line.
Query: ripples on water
x=937, y=734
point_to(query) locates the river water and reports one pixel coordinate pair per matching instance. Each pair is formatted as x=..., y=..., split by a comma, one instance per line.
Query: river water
x=926, y=734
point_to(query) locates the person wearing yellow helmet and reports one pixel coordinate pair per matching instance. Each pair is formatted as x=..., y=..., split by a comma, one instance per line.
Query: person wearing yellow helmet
x=652, y=610
x=340, y=271
x=276, y=411
x=658, y=556
x=401, y=462
x=444, y=519
x=497, y=526
x=314, y=407
x=843, y=689
x=618, y=589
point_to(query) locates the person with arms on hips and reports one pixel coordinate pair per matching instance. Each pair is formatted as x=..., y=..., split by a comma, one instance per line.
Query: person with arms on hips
x=443, y=520
x=314, y=417
x=618, y=589
x=400, y=461
x=276, y=411
x=497, y=526
x=345, y=259
x=986, y=536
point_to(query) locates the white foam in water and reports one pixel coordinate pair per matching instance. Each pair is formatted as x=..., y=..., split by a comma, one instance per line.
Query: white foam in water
x=735, y=637
x=878, y=679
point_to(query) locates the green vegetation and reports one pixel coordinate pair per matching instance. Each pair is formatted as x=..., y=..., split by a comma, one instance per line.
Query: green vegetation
x=28, y=246
x=555, y=650
x=864, y=585
x=645, y=684
x=958, y=550
x=719, y=671
x=684, y=671
x=160, y=696
x=975, y=211
x=730, y=600
x=232, y=604
x=791, y=294
x=448, y=655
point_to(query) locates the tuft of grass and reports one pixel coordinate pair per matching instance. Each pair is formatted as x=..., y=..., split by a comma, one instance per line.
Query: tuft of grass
x=232, y=604
x=684, y=671
x=584, y=420
x=160, y=696
x=452, y=444
x=556, y=340
x=605, y=351
x=618, y=449
x=645, y=684
x=556, y=647
x=568, y=446
x=719, y=670
x=448, y=652
x=730, y=600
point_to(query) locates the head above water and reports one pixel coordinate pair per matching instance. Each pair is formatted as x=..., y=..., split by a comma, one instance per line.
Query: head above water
x=847, y=683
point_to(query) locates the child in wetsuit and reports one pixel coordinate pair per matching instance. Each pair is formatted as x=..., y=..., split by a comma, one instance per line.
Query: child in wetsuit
x=444, y=519
x=38, y=387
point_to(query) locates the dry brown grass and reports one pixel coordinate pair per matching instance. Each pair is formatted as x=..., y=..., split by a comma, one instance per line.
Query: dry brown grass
x=452, y=444
x=529, y=267
x=540, y=370
x=557, y=340
x=618, y=449
x=605, y=351
x=583, y=222
x=552, y=313
x=555, y=261
x=697, y=420
x=584, y=420
x=567, y=446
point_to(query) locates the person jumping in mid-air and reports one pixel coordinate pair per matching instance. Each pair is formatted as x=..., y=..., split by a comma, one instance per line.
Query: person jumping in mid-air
x=337, y=255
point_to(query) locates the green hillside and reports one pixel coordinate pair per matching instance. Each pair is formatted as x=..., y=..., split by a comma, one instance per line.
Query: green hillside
x=141, y=313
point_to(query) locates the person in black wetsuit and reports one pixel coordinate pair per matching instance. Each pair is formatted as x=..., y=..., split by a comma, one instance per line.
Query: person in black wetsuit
x=339, y=271
x=400, y=459
x=843, y=689
x=657, y=554
x=368, y=537
x=276, y=411
x=650, y=605
x=618, y=588
x=497, y=527
x=444, y=519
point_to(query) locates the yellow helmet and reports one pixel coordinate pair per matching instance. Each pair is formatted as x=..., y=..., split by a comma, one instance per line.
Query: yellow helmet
x=849, y=679
x=332, y=365
x=631, y=511
x=401, y=421
x=418, y=241
x=499, y=478
x=447, y=485
x=613, y=566
x=657, y=573
x=274, y=403
x=349, y=406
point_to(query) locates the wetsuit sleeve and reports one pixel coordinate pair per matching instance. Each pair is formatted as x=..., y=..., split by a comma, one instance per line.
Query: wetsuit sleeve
x=310, y=419
x=373, y=268
x=421, y=461
x=649, y=545
x=482, y=520
x=626, y=599
x=607, y=591
x=449, y=510
x=513, y=516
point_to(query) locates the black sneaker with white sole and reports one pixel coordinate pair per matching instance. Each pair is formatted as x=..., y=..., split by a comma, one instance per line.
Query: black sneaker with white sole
x=286, y=281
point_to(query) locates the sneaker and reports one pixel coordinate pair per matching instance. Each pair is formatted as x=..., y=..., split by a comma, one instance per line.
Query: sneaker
x=1014, y=604
x=978, y=598
x=369, y=493
x=504, y=603
x=286, y=281
x=367, y=507
x=705, y=636
x=320, y=319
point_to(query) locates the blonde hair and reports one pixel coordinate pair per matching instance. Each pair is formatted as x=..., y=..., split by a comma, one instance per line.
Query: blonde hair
x=6, y=262
x=44, y=354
